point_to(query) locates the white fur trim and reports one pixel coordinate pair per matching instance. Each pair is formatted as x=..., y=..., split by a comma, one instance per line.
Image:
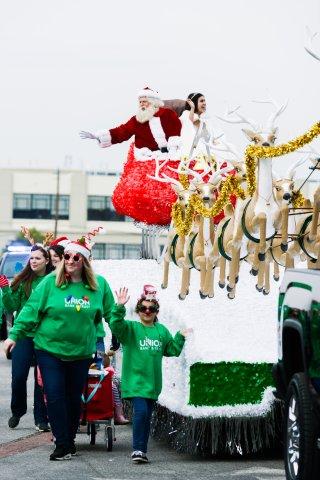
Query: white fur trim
x=149, y=93
x=144, y=154
x=63, y=243
x=104, y=138
x=174, y=141
x=76, y=248
x=158, y=132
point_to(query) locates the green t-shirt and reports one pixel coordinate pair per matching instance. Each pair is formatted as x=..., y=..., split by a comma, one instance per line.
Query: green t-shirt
x=143, y=349
x=66, y=319
x=15, y=300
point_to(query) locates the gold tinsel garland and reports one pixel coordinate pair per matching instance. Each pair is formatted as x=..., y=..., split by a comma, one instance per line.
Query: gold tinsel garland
x=253, y=152
x=183, y=223
x=229, y=186
x=297, y=199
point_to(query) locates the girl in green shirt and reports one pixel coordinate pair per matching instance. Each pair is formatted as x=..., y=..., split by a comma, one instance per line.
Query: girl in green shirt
x=23, y=357
x=144, y=344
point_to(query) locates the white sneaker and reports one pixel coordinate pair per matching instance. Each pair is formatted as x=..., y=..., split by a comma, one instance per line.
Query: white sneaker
x=139, y=457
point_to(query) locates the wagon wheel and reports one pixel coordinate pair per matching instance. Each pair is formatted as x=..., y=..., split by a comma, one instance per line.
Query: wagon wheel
x=92, y=434
x=108, y=436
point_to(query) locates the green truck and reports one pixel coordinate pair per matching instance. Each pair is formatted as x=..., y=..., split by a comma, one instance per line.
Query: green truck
x=297, y=372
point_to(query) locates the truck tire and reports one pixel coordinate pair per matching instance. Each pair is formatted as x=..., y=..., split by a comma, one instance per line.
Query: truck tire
x=300, y=432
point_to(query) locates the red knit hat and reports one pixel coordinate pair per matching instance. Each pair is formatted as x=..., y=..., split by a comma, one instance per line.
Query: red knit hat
x=62, y=241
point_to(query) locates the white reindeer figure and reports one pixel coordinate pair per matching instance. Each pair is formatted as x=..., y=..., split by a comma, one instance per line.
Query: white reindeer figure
x=260, y=218
x=175, y=245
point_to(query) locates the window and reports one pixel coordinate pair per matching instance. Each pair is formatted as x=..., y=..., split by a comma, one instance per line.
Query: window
x=115, y=251
x=101, y=208
x=41, y=206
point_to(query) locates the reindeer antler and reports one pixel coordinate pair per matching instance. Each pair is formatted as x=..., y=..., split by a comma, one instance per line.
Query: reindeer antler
x=217, y=176
x=237, y=118
x=165, y=178
x=309, y=47
x=26, y=233
x=48, y=237
x=292, y=170
x=278, y=110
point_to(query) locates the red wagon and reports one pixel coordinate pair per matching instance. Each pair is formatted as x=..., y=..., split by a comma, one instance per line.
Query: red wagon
x=97, y=405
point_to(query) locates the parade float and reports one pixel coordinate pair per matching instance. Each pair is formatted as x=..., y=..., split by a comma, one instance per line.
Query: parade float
x=218, y=396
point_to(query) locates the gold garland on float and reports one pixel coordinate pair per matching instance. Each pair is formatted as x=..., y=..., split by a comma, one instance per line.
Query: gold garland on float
x=297, y=199
x=183, y=222
x=253, y=152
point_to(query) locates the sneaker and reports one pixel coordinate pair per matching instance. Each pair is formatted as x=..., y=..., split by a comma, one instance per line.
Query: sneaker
x=42, y=427
x=60, y=453
x=73, y=449
x=139, y=457
x=13, y=421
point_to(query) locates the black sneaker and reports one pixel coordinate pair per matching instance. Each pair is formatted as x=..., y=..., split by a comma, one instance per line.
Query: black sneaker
x=61, y=453
x=42, y=427
x=73, y=449
x=13, y=421
x=139, y=457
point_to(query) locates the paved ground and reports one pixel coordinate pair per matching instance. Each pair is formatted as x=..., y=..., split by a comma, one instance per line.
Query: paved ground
x=24, y=454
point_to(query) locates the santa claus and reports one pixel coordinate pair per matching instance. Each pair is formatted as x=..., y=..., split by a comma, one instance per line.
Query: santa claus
x=156, y=132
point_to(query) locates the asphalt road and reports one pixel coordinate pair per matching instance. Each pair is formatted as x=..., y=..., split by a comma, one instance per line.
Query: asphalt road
x=25, y=454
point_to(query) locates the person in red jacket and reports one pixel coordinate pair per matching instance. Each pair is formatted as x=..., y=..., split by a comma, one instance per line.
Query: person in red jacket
x=156, y=131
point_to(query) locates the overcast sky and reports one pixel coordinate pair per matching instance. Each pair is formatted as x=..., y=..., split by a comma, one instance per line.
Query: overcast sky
x=69, y=65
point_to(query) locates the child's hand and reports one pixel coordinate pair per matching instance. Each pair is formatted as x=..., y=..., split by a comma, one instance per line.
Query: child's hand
x=122, y=296
x=186, y=332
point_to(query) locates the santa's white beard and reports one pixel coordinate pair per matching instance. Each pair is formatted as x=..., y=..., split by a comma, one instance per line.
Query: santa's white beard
x=144, y=114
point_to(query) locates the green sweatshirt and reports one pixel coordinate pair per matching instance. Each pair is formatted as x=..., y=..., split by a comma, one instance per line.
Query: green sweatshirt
x=66, y=319
x=14, y=301
x=143, y=349
x=1, y=307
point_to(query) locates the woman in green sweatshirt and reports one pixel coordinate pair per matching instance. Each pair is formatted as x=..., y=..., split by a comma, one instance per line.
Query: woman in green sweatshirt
x=144, y=344
x=65, y=312
x=14, y=298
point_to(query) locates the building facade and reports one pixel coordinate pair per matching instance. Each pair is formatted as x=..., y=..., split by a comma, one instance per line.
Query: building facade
x=29, y=197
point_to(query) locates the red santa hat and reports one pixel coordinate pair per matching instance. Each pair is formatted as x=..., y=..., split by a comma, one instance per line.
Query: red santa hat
x=79, y=246
x=62, y=241
x=149, y=293
x=149, y=93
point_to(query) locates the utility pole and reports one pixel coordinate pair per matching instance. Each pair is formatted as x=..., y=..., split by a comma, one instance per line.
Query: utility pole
x=56, y=215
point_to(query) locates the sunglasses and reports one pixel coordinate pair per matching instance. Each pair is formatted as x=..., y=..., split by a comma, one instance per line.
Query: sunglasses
x=151, y=309
x=75, y=258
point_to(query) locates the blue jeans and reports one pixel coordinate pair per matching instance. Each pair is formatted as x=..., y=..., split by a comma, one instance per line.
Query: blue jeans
x=142, y=411
x=23, y=357
x=316, y=384
x=63, y=383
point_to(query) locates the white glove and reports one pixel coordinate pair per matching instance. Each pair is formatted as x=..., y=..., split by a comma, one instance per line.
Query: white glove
x=84, y=135
x=174, y=153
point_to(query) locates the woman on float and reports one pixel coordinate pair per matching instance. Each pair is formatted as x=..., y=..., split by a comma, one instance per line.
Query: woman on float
x=191, y=118
x=65, y=312
x=144, y=344
x=23, y=357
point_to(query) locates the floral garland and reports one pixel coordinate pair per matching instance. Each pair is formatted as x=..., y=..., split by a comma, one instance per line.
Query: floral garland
x=253, y=152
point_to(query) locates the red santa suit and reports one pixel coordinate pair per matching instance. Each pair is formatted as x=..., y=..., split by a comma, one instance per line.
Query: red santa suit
x=136, y=195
